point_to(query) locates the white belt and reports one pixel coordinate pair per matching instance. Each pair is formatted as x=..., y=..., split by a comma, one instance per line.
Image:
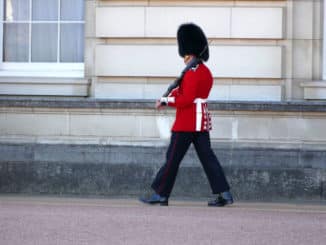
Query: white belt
x=199, y=112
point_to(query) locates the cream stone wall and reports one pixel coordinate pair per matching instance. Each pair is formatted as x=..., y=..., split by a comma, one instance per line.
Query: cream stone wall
x=218, y=22
x=247, y=44
x=133, y=126
x=226, y=61
x=260, y=51
x=221, y=91
x=307, y=39
x=293, y=28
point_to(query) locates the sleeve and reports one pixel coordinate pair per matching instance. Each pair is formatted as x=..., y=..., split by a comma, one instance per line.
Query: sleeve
x=187, y=96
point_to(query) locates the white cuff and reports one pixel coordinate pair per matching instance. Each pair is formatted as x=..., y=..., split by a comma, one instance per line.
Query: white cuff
x=166, y=100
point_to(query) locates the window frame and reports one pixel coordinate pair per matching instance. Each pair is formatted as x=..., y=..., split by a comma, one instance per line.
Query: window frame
x=324, y=43
x=39, y=69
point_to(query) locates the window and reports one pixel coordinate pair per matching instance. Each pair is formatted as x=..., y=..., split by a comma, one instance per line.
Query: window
x=42, y=37
x=324, y=44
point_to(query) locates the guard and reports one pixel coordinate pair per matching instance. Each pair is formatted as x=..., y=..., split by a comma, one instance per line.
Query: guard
x=192, y=123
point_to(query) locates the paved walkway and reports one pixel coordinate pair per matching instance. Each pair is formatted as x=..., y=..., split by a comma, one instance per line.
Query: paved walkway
x=61, y=221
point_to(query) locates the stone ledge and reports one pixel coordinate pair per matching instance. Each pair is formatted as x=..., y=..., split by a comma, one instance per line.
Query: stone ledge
x=61, y=102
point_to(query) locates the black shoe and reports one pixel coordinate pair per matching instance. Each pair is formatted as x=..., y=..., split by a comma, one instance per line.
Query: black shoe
x=155, y=199
x=217, y=202
x=227, y=196
x=221, y=200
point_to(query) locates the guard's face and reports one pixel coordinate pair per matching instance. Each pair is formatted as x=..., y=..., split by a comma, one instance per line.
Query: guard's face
x=187, y=58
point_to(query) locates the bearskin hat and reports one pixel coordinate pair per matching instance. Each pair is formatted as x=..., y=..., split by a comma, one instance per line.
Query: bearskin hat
x=192, y=40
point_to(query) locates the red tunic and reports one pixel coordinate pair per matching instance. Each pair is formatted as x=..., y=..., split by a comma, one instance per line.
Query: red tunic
x=190, y=101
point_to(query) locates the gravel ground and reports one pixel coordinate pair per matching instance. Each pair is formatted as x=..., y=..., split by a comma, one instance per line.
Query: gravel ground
x=61, y=221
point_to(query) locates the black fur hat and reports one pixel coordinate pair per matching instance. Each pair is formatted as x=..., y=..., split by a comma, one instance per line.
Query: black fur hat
x=192, y=40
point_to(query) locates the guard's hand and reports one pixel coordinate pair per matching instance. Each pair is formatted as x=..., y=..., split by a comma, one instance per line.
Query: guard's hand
x=158, y=105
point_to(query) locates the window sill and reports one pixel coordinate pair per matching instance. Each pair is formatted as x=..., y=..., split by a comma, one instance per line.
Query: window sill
x=46, y=74
x=48, y=70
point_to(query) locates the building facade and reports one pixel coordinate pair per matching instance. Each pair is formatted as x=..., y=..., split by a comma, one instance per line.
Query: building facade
x=86, y=73
x=261, y=50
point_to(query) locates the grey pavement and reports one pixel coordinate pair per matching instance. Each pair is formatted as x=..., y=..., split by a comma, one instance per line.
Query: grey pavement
x=53, y=220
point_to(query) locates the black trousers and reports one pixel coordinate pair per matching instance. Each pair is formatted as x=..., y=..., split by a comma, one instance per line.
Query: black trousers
x=180, y=142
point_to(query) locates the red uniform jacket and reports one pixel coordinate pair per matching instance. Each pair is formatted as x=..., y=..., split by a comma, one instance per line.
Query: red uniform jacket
x=190, y=101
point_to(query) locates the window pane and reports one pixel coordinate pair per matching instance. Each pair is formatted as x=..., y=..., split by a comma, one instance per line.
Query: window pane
x=44, y=42
x=45, y=9
x=16, y=10
x=72, y=43
x=15, y=42
x=72, y=10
